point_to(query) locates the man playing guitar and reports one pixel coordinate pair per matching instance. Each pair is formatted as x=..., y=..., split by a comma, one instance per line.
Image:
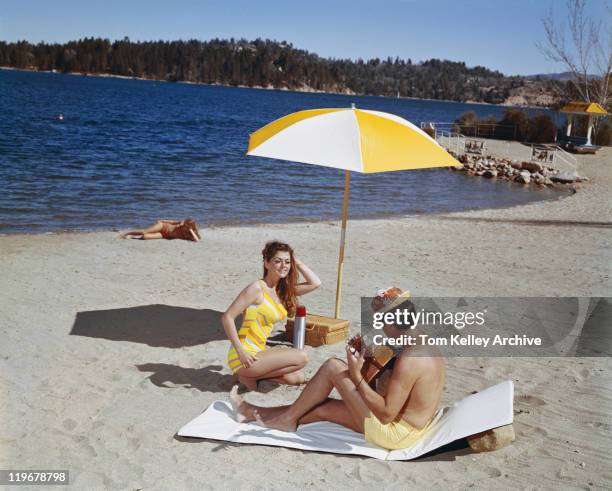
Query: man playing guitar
x=394, y=416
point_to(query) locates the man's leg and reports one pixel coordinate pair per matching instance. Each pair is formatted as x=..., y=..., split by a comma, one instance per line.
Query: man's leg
x=315, y=392
x=245, y=411
x=334, y=411
x=333, y=373
x=351, y=398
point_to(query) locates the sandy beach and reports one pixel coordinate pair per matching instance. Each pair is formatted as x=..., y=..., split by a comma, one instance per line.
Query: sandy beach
x=109, y=346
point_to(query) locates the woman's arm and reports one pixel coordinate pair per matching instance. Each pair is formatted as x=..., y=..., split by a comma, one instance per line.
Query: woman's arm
x=170, y=222
x=250, y=295
x=194, y=235
x=312, y=280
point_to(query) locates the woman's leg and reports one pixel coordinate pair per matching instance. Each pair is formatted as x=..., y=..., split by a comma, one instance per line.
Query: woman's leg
x=135, y=233
x=293, y=378
x=155, y=228
x=152, y=235
x=282, y=365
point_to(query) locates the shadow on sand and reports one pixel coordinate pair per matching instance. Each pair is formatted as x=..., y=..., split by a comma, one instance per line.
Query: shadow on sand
x=279, y=339
x=205, y=379
x=155, y=325
x=447, y=453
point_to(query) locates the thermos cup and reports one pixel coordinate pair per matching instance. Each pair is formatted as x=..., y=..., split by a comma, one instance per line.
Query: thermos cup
x=299, y=327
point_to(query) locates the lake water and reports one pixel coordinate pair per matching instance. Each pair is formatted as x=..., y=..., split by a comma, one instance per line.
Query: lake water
x=131, y=151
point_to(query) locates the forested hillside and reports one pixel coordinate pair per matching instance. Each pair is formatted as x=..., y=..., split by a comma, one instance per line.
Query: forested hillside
x=265, y=63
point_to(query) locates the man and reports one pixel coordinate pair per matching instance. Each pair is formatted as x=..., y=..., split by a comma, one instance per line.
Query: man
x=394, y=416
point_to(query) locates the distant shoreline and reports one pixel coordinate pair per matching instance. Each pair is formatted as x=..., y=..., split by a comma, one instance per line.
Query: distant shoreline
x=305, y=90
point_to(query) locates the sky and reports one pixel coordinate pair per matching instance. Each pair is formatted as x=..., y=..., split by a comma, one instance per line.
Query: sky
x=498, y=34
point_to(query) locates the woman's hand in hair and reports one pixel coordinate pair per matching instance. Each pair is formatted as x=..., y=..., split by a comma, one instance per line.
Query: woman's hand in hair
x=312, y=280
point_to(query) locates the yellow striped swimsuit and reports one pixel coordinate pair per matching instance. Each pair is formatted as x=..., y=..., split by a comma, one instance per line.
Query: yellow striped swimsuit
x=257, y=325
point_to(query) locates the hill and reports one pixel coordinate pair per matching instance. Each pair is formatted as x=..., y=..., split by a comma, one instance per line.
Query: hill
x=278, y=65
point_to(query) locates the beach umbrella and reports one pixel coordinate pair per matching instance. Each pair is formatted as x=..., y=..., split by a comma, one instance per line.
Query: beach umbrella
x=350, y=139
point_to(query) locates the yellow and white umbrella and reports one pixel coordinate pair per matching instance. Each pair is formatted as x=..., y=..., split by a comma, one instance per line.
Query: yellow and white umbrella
x=350, y=139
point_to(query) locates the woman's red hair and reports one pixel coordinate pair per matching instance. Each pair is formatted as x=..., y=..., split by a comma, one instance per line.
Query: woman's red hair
x=285, y=289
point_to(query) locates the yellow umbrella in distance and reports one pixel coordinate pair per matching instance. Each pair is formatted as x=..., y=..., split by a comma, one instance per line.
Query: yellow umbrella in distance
x=350, y=139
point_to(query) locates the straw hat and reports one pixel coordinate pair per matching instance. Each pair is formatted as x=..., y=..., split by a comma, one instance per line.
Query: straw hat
x=387, y=299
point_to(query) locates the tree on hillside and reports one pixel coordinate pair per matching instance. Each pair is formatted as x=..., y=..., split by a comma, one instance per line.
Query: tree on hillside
x=588, y=56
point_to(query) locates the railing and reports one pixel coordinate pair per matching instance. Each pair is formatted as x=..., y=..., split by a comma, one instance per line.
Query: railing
x=554, y=156
x=477, y=130
x=565, y=158
x=443, y=133
x=542, y=154
x=450, y=140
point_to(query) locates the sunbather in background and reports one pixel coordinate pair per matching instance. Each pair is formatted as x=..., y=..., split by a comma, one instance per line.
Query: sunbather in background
x=168, y=229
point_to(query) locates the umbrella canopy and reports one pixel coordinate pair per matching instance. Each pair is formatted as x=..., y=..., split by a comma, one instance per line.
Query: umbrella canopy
x=350, y=139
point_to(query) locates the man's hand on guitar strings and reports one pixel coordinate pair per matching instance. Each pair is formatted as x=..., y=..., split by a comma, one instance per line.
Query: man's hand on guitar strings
x=355, y=362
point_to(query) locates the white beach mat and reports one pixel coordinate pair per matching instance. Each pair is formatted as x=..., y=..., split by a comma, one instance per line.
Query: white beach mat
x=478, y=412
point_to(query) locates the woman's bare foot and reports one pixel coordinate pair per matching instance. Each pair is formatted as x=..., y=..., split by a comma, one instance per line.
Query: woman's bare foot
x=281, y=422
x=242, y=409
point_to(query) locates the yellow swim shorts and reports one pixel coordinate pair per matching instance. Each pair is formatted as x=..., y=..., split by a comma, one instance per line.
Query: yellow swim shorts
x=392, y=436
x=233, y=362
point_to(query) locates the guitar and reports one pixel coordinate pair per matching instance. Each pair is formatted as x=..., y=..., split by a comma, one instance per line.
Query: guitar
x=375, y=360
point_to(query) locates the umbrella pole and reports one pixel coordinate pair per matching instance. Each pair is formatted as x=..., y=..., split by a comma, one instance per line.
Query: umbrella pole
x=347, y=184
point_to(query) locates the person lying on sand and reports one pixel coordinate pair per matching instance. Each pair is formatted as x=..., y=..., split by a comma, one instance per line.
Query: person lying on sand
x=264, y=303
x=168, y=229
x=394, y=416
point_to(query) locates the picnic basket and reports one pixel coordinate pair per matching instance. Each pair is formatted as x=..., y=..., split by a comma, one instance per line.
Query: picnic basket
x=321, y=330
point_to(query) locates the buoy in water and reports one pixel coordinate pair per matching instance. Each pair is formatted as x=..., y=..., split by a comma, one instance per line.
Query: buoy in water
x=60, y=117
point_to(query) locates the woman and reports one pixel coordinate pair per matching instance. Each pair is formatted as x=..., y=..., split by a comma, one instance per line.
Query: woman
x=264, y=303
x=168, y=229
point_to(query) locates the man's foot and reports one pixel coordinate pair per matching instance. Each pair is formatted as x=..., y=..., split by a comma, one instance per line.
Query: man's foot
x=242, y=409
x=281, y=422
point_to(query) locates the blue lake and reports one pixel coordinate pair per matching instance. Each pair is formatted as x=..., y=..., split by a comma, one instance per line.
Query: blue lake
x=131, y=151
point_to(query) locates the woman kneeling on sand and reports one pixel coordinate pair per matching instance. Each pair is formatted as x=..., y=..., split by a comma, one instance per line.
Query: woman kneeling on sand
x=264, y=303
x=168, y=229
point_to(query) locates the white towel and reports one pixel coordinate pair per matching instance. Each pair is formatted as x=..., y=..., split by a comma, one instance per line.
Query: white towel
x=478, y=412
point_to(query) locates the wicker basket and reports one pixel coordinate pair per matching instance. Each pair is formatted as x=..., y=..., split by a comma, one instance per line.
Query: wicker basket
x=321, y=330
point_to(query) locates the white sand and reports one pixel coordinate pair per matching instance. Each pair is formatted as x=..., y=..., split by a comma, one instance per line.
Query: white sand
x=150, y=352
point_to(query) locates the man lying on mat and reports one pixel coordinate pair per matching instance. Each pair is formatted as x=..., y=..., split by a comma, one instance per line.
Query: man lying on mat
x=394, y=416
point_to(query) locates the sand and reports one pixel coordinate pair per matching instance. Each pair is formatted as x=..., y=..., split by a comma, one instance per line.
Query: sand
x=109, y=346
